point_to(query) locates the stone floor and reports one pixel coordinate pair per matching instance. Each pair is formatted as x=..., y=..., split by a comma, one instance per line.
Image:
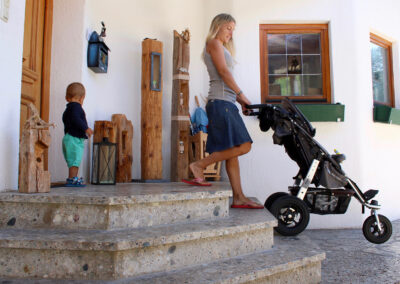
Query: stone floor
x=350, y=258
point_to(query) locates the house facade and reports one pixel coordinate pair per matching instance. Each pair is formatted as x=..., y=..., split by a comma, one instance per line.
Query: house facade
x=371, y=147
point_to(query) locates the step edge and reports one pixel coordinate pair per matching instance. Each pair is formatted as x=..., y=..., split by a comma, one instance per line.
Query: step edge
x=164, y=239
x=110, y=201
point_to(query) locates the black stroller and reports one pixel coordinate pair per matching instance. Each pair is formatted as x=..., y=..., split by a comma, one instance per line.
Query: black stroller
x=333, y=189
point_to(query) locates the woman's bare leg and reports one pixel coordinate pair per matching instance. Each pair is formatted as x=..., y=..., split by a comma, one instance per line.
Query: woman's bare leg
x=233, y=170
x=198, y=166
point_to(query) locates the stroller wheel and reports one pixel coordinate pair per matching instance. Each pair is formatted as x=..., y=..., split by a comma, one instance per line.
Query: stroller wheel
x=292, y=214
x=371, y=231
x=272, y=198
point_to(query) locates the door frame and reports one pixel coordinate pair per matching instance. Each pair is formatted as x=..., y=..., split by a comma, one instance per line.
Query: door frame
x=46, y=63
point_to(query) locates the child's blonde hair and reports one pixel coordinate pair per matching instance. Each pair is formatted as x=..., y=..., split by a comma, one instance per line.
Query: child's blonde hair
x=216, y=24
x=75, y=90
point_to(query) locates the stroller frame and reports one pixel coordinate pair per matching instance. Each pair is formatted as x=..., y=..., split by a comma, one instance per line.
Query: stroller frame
x=376, y=228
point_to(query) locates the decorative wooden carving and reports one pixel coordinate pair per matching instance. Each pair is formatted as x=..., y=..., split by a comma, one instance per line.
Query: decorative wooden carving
x=104, y=129
x=124, y=129
x=180, y=123
x=35, y=140
x=151, y=115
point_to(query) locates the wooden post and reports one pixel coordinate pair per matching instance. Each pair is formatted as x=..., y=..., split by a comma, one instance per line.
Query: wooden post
x=124, y=147
x=151, y=116
x=180, y=124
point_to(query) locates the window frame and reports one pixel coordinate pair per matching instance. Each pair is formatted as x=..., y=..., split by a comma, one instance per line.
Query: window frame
x=375, y=39
x=323, y=30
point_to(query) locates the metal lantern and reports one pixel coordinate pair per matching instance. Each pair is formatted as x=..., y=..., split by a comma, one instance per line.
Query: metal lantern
x=104, y=162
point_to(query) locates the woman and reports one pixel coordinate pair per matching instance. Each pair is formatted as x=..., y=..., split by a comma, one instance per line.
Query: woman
x=227, y=135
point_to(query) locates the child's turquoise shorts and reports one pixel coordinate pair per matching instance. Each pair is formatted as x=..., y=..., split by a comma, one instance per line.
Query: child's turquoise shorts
x=73, y=150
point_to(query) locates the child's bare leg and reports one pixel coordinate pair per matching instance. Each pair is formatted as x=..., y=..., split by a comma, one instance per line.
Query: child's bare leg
x=73, y=172
x=233, y=170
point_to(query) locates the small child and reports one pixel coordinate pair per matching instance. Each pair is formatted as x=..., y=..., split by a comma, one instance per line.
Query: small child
x=76, y=130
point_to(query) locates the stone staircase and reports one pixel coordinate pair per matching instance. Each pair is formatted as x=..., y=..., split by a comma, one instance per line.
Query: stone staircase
x=144, y=233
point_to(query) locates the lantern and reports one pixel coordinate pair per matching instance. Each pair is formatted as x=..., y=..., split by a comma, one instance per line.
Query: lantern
x=104, y=162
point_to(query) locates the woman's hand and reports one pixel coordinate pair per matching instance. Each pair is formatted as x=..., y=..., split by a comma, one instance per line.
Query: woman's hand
x=244, y=101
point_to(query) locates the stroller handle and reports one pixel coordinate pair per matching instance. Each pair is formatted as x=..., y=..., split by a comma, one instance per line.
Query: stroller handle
x=259, y=106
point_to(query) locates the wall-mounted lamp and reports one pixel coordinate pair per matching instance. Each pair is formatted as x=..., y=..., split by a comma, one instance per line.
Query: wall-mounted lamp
x=97, y=56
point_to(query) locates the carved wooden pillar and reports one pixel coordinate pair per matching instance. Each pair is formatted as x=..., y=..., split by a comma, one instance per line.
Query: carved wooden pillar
x=124, y=135
x=180, y=123
x=151, y=115
x=35, y=141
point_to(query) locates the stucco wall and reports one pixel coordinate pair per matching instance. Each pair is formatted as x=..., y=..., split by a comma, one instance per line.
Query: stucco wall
x=66, y=67
x=11, y=42
x=371, y=148
x=367, y=145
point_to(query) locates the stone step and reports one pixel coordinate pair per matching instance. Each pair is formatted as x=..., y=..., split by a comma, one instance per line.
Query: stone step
x=114, y=207
x=107, y=255
x=293, y=260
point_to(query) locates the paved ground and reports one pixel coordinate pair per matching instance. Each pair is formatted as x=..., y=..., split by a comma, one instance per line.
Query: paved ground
x=350, y=258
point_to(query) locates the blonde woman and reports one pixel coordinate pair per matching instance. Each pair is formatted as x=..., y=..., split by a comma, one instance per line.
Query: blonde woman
x=227, y=135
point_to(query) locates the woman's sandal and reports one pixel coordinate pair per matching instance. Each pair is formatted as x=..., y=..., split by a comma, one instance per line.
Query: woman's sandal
x=196, y=182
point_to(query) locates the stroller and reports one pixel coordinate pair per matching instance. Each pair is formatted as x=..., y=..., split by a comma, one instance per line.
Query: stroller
x=333, y=189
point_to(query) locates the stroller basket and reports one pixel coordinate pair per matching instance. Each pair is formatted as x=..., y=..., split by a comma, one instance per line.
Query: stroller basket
x=326, y=201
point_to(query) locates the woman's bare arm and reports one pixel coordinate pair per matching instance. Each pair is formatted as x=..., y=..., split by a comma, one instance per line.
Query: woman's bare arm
x=216, y=50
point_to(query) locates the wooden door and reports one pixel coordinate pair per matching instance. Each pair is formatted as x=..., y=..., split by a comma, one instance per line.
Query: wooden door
x=32, y=57
x=36, y=56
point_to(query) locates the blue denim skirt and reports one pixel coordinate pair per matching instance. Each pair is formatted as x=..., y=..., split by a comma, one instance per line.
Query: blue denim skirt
x=226, y=128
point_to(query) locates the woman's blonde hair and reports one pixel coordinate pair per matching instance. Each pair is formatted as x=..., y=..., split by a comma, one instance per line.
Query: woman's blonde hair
x=216, y=24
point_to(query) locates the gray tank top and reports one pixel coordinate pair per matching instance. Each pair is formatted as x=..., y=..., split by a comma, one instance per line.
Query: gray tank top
x=218, y=89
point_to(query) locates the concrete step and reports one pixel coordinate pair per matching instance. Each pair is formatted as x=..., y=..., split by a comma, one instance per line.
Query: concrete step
x=114, y=207
x=292, y=260
x=107, y=255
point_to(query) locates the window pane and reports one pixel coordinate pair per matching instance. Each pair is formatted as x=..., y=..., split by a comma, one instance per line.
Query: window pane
x=311, y=44
x=293, y=44
x=380, y=76
x=294, y=64
x=276, y=44
x=277, y=64
x=312, y=85
x=278, y=86
x=295, y=85
x=311, y=64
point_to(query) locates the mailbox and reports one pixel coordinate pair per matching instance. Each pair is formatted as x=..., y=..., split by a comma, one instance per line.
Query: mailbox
x=97, y=56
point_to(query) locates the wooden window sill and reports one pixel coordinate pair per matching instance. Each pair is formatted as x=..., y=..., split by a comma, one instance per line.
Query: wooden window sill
x=386, y=114
x=322, y=112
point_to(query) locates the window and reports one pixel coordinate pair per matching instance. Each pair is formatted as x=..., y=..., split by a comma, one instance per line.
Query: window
x=295, y=63
x=382, y=72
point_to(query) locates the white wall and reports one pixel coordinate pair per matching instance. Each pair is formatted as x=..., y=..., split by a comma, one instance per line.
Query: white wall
x=367, y=145
x=119, y=91
x=371, y=148
x=11, y=44
x=66, y=67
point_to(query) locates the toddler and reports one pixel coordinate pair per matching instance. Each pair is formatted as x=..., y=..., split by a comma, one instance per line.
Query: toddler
x=76, y=131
